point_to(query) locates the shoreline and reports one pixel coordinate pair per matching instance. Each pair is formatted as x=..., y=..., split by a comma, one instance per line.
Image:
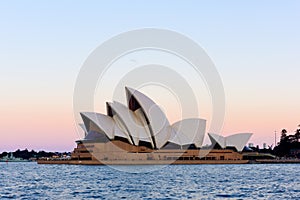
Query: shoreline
x=162, y=162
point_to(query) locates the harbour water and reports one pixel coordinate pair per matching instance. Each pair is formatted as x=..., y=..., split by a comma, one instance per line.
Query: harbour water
x=251, y=181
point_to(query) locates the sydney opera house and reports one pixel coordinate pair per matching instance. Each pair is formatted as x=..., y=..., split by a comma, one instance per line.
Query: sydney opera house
x=140, y=133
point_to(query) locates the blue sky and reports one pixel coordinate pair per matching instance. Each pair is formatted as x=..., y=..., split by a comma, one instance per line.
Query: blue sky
x=255, y=46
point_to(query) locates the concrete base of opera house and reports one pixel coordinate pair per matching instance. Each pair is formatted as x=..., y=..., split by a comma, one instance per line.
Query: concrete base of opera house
x=121, y=153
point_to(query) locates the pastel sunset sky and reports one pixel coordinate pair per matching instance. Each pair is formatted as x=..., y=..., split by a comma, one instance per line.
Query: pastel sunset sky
x=254, y=45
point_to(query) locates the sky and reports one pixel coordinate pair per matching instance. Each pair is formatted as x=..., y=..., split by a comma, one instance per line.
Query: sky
x=255, y=46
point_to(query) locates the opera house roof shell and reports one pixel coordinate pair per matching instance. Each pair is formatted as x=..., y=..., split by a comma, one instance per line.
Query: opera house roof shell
x=236, y=140
x=142, y=120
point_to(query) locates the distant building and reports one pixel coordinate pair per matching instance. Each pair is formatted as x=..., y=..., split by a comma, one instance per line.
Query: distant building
x=264, y=145
x=295, y=152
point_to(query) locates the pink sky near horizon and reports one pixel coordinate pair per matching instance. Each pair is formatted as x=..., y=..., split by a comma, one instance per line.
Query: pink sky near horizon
x=53, y=128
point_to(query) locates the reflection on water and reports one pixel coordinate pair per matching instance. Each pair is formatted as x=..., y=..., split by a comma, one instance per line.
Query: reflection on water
x=32, y=181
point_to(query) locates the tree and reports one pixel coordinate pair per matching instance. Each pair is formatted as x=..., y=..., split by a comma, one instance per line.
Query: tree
x=297, y=134
x=288, y=143
x=283, y=135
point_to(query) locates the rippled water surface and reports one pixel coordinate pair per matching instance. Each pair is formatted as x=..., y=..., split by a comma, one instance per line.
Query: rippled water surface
x=33, y=181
